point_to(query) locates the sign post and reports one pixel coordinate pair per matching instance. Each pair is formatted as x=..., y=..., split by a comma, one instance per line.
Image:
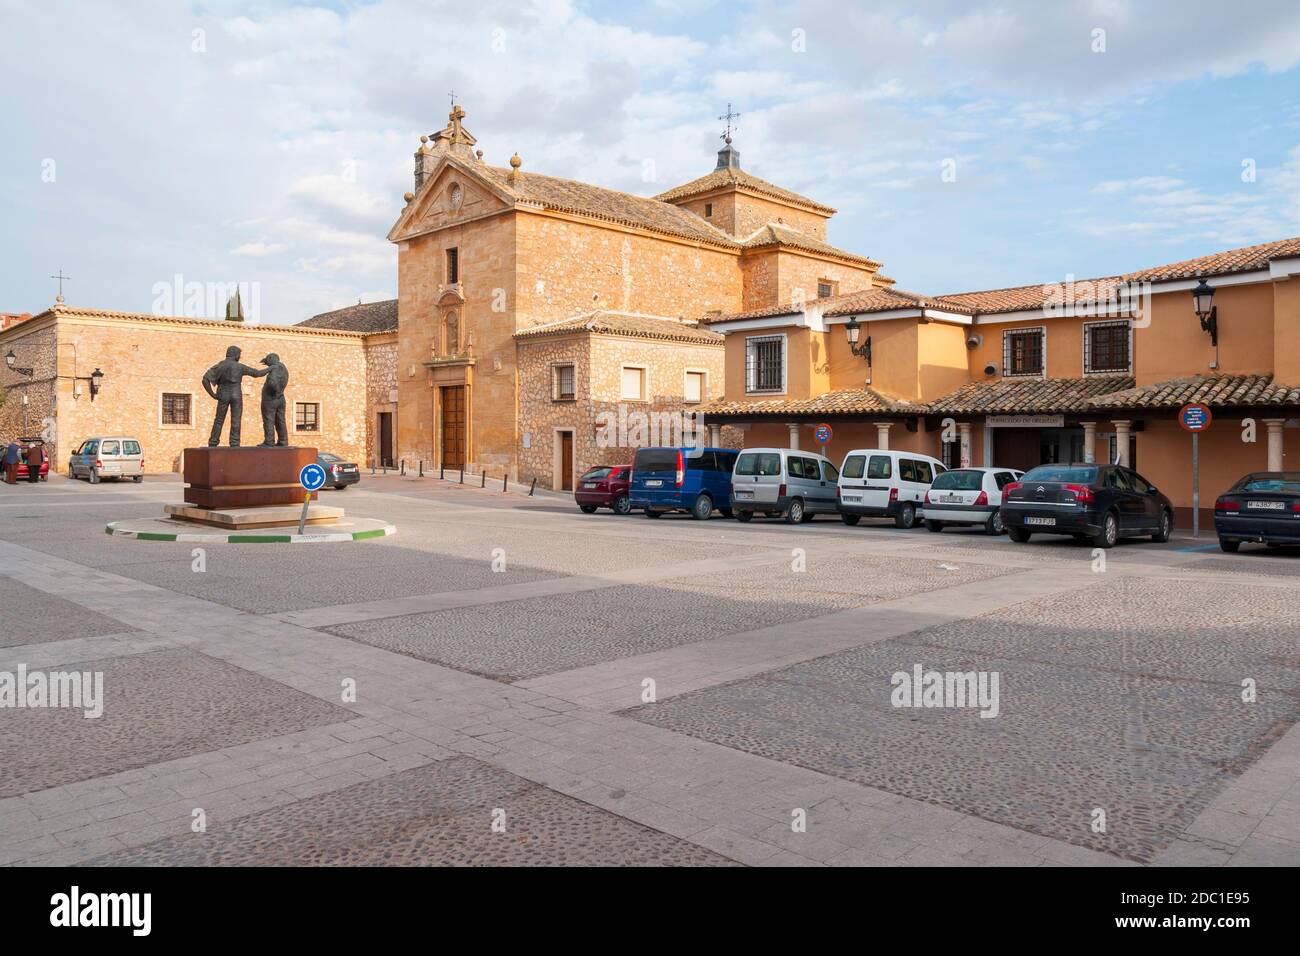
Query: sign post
x=823, y=435
x=312, y=477
x=1195, y=417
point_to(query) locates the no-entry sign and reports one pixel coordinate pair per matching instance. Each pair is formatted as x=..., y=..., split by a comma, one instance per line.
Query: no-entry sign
x=823, y=433
x=1195, y=417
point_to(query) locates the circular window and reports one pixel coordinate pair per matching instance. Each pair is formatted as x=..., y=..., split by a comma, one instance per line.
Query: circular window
x=454, y=195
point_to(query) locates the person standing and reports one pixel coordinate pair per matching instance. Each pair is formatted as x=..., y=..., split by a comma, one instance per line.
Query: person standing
x=35, y=458
x=11, y=463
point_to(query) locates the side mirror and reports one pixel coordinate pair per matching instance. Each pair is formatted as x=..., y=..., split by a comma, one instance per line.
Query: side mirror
x=1152, y=489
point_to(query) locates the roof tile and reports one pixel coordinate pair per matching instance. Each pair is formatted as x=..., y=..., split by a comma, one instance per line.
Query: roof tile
x=1028, y=396
x=1222, y=390
x=727, y=176
x=629, y=324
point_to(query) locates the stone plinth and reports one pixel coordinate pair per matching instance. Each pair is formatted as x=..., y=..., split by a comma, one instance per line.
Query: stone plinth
x=243, y=477
x=261, y=516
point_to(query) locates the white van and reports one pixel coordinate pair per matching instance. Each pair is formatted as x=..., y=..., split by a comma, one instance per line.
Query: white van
x=884, y=483
x=783, y=482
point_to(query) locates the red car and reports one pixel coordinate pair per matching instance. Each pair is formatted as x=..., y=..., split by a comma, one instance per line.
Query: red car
x=605, y=486
x=23, y=473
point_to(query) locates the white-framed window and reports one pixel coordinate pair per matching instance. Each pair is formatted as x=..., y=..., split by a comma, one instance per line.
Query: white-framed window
x=1107, y=347
x=1024, y=352
x=562, y=383
x=695, y=389
x=306, y=417
x=633, y=383
x=176, y=410
x=765, y=364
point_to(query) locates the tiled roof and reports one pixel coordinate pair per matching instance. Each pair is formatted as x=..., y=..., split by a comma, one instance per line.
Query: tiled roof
x=568, y=195
x=234, y=327
x=1213, y=390
x=1244, y=259
x=368, y=317
x=1019, y=298
x=846, y=402
x=776, y=235
x=874, y=300
x=629, y=324
x=1028, y=396
x=725, y=177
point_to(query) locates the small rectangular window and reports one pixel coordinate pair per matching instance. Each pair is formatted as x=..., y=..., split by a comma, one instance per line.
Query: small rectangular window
x=765, y=363
x=306, y=416
x=825, y=288
x=1022, y=351
x=633, y=384
x=694, y=387
x=708, y=210
x=563, y=389
x=176, y=408
x=1106, y=347
x=453, y=265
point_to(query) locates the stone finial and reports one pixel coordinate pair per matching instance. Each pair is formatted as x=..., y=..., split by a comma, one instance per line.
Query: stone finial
x=515, y=163
x=478, y=154
x=408, y=196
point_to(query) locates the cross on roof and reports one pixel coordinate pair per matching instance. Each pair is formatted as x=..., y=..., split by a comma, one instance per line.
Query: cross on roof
x=62, y=278
x=728, y=116
x=452, y=94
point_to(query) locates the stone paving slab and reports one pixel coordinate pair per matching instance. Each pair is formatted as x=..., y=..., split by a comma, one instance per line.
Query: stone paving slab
x=29, y=616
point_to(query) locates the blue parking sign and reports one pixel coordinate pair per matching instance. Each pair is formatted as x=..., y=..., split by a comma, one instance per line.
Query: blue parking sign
x=312, y=476
x=823, y=433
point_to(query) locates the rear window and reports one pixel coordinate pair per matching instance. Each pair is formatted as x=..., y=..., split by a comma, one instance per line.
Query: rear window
x=656, y=459
x=880, y=466
x=326, y=456
x=758, y=463
x=1081, y=476
x=1284, y=485
x=110, y=448
x=130, y=448
x=597, y=473
x=959, y=481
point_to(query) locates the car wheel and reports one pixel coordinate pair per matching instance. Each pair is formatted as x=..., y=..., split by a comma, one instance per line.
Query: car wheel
x=1232, y=547
x=702, y=510
x=94, y=477
x=808, y=516
x=850, y=519
x=137, y=479
x=1166, y=528
x=994, y=524
x=587, y=509
x=743, y=516
x=1109, y=533
x=622, y=505
x=906, y=517
x=935, y=526
x=1018, y=535
x=651, y=513
x=725, y=512
x=45, y=477
x=794, y=514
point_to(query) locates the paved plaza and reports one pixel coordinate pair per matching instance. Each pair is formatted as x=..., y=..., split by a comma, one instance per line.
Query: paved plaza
x=508, y=681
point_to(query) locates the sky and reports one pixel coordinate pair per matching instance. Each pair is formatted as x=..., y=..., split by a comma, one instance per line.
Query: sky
x=149, y=145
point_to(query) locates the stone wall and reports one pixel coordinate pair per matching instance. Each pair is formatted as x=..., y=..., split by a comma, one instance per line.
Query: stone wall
x=33, y=346
x=381, y=384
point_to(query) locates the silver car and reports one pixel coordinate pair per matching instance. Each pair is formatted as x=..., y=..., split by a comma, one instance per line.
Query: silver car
x=783, y=482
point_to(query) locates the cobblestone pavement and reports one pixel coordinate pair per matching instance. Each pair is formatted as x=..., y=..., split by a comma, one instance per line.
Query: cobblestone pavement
x=631, y=692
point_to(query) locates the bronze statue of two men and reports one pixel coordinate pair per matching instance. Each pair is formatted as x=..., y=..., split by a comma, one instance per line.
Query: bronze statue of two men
x=223, y=383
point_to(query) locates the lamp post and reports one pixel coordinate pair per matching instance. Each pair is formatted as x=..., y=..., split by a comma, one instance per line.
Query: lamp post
x=11, y=360
x=1203, y=303
x=854, y=332
x=95, y=378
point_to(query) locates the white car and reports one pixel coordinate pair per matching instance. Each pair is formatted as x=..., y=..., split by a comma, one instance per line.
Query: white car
x=885, y=483
x=968, y=496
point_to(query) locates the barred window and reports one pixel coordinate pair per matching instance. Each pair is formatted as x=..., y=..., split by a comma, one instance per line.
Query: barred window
x=1022, y=351
x=825, y=288
x=453, y=265
x=306, y=416
x=1107, y=347
x=765, y=363
x=176, y=408
x=563, y=384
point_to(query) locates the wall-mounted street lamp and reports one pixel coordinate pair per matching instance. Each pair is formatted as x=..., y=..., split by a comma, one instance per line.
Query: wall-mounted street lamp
x=95, y=378
x=854, y=331
x=11, y=360
x=1203, y=302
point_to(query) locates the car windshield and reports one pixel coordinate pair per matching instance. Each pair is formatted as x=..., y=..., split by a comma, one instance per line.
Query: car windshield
x=1061, y=473
x=959, y=481
x=758, y=463
x=1287, y=485
x=656, y=459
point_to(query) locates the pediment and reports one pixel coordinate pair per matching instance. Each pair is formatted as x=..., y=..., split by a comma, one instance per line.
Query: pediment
x=454, y=193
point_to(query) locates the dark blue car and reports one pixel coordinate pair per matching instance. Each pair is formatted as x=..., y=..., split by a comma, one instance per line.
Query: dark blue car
x=697, y=480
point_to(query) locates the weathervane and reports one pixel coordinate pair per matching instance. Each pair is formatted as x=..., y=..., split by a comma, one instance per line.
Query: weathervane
x=728, y=116
x=452, y=94
x=62, y=278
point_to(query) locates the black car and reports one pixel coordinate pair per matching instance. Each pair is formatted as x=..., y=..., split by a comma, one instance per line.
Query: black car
x=338, y=472
x=1264, y=506
x=1100, y=502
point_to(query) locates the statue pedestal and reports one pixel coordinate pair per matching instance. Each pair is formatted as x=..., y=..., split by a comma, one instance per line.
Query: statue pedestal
x=223, y=478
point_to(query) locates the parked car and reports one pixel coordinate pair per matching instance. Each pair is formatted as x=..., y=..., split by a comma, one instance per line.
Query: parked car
x=1263, y=506
x=883, y=483
x=115, y=457
x=697, y=480
x=33, y=446
x=1101, y=502
x=605, y=486
x=338, y=472
x=783, y=482
x=968, y=496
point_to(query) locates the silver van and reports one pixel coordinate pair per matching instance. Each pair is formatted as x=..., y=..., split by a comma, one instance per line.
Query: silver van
x=783, y=482
x=116, y=457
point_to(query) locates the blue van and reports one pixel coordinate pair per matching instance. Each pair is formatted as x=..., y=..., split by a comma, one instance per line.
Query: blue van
x=697, y=480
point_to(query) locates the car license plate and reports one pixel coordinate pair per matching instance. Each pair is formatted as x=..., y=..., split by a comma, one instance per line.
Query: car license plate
x=852, y=497
x=744, y=494
x=589, y=484
x=1267, y=505
x=950, y=499
x=653, y=483
x=1046, y=521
